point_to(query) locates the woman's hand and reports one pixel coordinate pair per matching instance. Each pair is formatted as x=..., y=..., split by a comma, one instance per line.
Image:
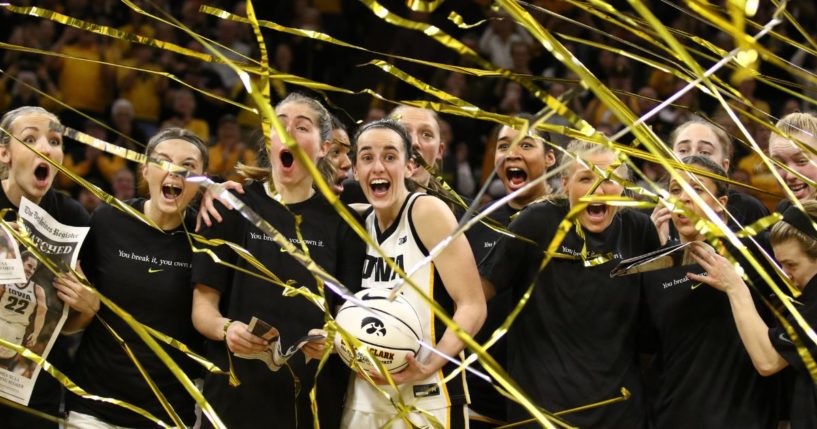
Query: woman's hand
x=661, y=217
x=314, y=349
x=415, y=371
x=72, y=292
x=240, y=340
x=721, y=274
x=208, y=208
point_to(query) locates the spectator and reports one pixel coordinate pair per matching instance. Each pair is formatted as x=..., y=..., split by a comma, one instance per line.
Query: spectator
x=91, y=163
x=184, y=109
x=123, y=185
x=74, y=75
x=229, y=150
x=498, y=38
x=142, y=89
x=122, y=119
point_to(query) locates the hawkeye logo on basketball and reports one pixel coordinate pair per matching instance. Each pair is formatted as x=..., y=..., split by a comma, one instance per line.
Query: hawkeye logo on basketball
x=377, y=267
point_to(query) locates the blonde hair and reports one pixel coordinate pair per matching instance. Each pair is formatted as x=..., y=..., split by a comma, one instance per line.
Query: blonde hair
x=783, y=231
x=8, y=119
x=798, y=123
x=578, y=149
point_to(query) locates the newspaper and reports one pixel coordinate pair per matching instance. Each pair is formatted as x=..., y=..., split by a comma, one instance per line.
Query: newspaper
x=667, y=257
x=273, y=355
x=30, y=312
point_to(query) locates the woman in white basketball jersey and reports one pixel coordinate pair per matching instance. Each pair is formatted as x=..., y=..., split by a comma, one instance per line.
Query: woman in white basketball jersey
x=406, y=226
x=18, y=302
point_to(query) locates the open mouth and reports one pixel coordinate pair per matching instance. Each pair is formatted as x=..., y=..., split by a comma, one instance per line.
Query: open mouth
x=287, y=159
x=379, y=187
x=171, y=192
x=41, y=172
x=597, y=211
x=339, y=179
x=798, y=187
x=516, y=176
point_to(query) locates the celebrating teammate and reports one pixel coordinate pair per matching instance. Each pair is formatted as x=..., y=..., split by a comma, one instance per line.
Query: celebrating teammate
x=224, y=299
x=147, y=272
x=794, y=241
x=516, y=166
x=406, y=226
x=26, y=174
x=574, y=343
x=798, y=156
x=698, y=137
x=705, y=378
x=335, y=165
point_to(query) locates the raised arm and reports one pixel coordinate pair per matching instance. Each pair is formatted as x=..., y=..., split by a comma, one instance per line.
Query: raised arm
x=752, y=329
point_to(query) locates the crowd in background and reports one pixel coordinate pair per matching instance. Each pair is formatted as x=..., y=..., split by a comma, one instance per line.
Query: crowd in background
x=135, y=103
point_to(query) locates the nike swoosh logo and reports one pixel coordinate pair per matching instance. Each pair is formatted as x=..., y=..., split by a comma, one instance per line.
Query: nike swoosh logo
x=695, y=286
x=783, y=338
x=154, y=270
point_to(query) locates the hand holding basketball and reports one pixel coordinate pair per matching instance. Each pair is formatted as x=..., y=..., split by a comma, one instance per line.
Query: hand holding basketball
x=415, y=370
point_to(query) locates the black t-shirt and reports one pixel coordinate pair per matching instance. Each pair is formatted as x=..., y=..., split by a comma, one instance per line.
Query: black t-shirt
x=706, y=378
x=745, y=208
x=484, y=398
x=336, y=248
x=803, y=412
x=47, y=391
x=574, y=343
x=147, y=273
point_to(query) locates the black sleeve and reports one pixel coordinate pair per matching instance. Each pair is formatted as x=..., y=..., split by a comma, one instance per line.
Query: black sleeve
x=207, y=271
x=71, y=212
x=783, y=205
x=87, y=254
x=515, y=262
x=786, y=347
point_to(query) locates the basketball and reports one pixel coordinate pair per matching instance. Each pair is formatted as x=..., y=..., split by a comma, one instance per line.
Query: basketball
x=389, y=330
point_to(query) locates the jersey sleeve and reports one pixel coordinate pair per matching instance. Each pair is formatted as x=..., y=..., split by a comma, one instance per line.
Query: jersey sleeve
x=514, y=262
x=207, y=271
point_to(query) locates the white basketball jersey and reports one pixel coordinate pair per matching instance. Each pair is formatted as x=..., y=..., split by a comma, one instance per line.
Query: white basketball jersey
x=18, y=303
x=401, y=243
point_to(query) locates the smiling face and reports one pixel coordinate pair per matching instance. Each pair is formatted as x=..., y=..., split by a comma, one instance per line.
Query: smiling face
x=597, y=216
x=700, y=139
x=169, y=193
x=300, y=122
x=27, y=172
x=795, y=263
x=381, y=167
x=789, y=154
x=424, y=131
x=30, y=264
x=684, y=225
x=338, y=156
x=518, y=165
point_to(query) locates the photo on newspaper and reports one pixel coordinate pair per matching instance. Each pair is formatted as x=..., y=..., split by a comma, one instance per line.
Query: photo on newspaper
x=668, y=257
x=31, y=315
x=273, y=355
x=11, y=266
